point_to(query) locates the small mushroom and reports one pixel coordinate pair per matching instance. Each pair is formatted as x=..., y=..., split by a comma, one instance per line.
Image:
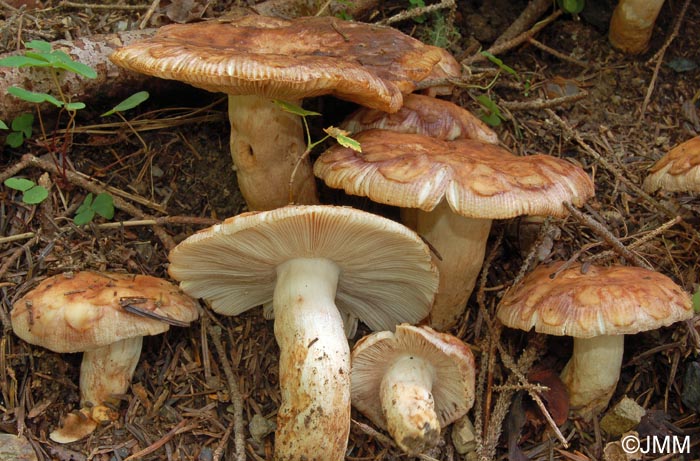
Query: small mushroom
x=678, y=170
x=254, y=59
x=450, y=192
x=597, y=306
x=412, y=383
x=632, y=24
x=95, y=313
x=311, y=263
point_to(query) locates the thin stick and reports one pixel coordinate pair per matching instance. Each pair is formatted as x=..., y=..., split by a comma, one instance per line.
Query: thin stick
x=236, y=400
x=179, y=428
x=415, y=12
x=149, y=13
x=539, y=103
x=557, y=54
x=98, y=6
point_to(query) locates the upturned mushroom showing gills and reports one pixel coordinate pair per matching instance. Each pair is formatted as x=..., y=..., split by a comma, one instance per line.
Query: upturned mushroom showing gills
x=597, y=306
x=450, y=191
x=311, y=262
x=413, y=383
x=105, y=316
x=254, y=59
x=678, y=170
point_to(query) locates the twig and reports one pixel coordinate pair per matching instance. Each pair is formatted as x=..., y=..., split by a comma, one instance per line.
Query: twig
x=533, y=10
x=74, y=178
x=415, y=12
x=659, y=57
x=514, y=42
x=99, y=6
x=179, y=428
x=557, y=54
x=602, y=232
x=149, y=13
x=236, y=400
x=539, y=103
x=383, y=439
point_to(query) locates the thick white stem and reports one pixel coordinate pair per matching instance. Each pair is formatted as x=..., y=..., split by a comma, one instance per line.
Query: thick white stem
x=592, y=372
x=313, y=421
x=266, y=143
x=632, y=24
x=108, y=370
x=461, y=242
x=408, y=405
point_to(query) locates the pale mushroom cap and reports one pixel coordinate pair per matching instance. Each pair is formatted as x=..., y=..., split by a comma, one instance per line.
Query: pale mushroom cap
x=368, y=64
x=386, y=274
x=615, y=300
x=678, y=170
x=82, y=311
x=424, y=115
x=451, y=359
x=477, y=179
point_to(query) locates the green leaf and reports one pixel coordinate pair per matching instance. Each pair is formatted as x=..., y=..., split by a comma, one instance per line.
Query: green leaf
x=31, y=96
x=15, y=139
x=492, y=116
x=20, y=184
x=129, y=103
x=500, y=63
x=696, y=301
x=86, y=205
x=343, y=138
x=39, y=45
x=43, y=58
x=36, y=194
x=3, y=126
x=76, y=67
x=104, y=205
x=293, y=108
x=75, y=106
x=83, y=217
x=23, y=123
x=572, y=6
x=21, y=61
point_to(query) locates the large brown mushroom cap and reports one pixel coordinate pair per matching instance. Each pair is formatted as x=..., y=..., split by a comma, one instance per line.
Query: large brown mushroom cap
x=424, y=115
x=477, y=179
x=83, y=310
x=368, y=64
x=678, y=170
x=614, y=300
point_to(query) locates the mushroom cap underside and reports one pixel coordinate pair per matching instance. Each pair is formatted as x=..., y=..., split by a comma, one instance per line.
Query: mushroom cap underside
x=678, y=170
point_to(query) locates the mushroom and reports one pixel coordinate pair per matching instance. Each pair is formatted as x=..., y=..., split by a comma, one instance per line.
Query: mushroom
x=632, y=24
x=413, y=383
x=311, y=262
x=254, y=59
x=105, y=316
x=678, y=170
x=597, y=306
x=450, y=192
x=424, y=115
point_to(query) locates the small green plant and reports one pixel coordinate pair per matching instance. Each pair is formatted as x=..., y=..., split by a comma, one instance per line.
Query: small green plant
x=491, y=113
x=102, y=204
x=21, y=130
x=417, y=4
x=32, y=193
x=696, y=301
x=571, y=6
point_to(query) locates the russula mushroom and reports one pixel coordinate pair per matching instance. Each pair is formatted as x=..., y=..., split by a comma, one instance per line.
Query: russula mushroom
x=678, y=170
x=254, y=59
x=423, y=115
x=597, y=306
x=94, y=313
x=450, y=192
x=632, y=24
x=311, y=262
x=413, y=383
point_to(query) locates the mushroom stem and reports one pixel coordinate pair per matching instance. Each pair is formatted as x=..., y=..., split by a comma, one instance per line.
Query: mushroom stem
x=632, y=24
x=313, y=421
x=108, y=370
x=266, y=143
x=592, y=372
x=408, y=405
x=461, y=243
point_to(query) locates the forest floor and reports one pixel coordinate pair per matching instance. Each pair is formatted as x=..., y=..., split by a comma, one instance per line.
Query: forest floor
x=619, y=114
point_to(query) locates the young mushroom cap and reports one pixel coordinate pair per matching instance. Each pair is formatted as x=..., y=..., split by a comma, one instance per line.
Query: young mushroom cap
x=424, y=115
x=597, y=306
x=678, y=170
x=311, y=262
x=254, y=59
x=413, y=383
x=457, y=187
x=93, y=312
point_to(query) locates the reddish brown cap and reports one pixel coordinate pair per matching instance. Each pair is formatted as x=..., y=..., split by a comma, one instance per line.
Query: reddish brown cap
x=424, y=115
x=678, y=170
x=450, y=358
x=613, y=300
x=75, y=312
x=287, y=59
x=477, y=179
